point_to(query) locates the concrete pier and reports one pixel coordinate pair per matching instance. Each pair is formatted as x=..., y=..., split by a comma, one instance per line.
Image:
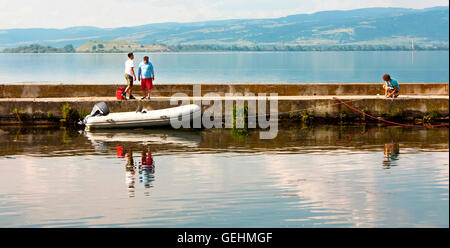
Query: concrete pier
x=37, y=103
x=286, y=89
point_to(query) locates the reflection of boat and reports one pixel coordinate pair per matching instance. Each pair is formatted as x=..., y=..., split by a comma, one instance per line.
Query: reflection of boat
x=143, y=118
x=148, y=136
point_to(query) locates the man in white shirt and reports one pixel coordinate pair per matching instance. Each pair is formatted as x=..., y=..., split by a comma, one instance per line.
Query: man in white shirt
x=129, y=76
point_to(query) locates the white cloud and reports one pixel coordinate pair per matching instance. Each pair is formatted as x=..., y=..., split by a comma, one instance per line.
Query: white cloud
x=116, y=13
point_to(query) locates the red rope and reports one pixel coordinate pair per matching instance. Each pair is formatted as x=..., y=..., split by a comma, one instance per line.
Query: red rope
x=391, y=122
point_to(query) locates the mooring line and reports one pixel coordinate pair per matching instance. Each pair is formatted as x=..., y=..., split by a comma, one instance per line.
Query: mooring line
x=391, y=122
x=299, y=110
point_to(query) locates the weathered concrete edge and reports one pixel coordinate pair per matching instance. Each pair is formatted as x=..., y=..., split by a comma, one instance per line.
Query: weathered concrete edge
x=286, y=89
x=406, y=109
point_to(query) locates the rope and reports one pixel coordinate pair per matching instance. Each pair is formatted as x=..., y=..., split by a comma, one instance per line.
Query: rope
x=301, y=110
x=391, y=122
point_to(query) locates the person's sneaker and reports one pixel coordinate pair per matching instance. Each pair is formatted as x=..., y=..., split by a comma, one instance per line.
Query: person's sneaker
x=132, y=97
x=124, y=96
x=143, y=98
x=148, y=99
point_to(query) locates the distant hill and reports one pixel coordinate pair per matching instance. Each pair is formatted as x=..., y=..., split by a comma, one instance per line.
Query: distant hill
x=369, y=26
x=119, y=46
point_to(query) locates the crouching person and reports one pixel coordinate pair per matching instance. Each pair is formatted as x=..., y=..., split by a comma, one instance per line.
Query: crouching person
x=391, y=86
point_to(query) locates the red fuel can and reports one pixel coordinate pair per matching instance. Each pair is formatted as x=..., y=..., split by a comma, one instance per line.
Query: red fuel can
x=119, y=92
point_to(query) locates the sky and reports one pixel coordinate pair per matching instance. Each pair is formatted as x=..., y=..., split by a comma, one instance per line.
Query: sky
x=118, y=13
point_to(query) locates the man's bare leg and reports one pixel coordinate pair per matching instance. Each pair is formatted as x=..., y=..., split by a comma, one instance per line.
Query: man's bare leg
x=129, y=90
x=395, y=95
x=390, y=93
x=144, y=94
x=124, y=93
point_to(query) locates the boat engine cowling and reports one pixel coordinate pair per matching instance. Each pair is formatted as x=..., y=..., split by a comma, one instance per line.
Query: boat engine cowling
x=99, y=108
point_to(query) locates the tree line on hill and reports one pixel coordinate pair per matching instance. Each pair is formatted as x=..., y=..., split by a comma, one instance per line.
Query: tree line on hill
x=188, y=48
x=36, y=48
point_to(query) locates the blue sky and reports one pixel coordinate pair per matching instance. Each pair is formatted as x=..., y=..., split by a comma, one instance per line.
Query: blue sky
x=116, y=13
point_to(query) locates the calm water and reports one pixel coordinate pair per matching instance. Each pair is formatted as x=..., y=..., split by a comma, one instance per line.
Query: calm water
x=326, y=176
x=231, y=67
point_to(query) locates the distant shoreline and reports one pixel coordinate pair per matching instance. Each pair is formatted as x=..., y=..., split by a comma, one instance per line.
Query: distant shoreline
x=104, y=47
x=232, y=51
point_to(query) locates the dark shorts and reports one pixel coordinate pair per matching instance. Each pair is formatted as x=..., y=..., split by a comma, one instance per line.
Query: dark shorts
x=129, y=79
x=393, y=90
x=146, y=83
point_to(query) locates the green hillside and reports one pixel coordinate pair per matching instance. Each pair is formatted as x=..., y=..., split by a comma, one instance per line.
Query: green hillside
x=392, y=27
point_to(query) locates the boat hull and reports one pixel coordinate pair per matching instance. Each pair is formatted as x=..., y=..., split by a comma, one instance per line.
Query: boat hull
x=153, y=118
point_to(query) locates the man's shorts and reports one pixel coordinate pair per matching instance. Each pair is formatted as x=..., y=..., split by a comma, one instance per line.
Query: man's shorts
x=146, y=83
x=129, y=79
x=393, y=89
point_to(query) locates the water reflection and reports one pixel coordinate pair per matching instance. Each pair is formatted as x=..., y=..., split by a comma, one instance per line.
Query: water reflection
x=130, y=173
x=53, y=142
x=309, y=177
x=145, y=136
x=146, y=168
x=391, y=154
x=391, y=149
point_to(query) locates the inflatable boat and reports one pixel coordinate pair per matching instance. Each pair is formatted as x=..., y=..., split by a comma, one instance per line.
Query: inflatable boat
x=101, y=118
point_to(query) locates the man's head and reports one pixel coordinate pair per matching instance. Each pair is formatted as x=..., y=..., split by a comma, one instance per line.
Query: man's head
x=130, y=55
x=146, y=59
x=386, y=77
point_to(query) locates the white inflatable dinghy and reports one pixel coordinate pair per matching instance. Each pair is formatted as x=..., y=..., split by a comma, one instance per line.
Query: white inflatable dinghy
x=101, y=118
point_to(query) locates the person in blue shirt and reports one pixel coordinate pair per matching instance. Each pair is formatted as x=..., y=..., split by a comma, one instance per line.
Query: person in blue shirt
x=146, y=75
x=391, y=86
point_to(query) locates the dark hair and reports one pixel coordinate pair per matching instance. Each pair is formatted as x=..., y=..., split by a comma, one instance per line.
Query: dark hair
x=130, y=54
x=386, y=77
x=146, y=58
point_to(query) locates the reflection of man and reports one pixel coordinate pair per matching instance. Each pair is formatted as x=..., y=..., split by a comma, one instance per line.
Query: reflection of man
x=147, y=168
x=391, y=151
x=129, y=176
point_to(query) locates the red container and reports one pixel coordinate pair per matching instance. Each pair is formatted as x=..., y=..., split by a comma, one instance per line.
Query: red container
x=120, y=153
x=119, y=92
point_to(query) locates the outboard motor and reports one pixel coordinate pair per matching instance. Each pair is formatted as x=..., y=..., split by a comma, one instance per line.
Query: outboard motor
x=99, y=109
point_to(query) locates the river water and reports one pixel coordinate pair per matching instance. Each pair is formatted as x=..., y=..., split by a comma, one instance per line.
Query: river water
x=232, y=67
x=321, y=176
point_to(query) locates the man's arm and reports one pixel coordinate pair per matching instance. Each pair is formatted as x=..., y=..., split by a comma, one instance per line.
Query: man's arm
x=395, y=90
x=132, y=71
x=153, y=72
x=139, y=73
